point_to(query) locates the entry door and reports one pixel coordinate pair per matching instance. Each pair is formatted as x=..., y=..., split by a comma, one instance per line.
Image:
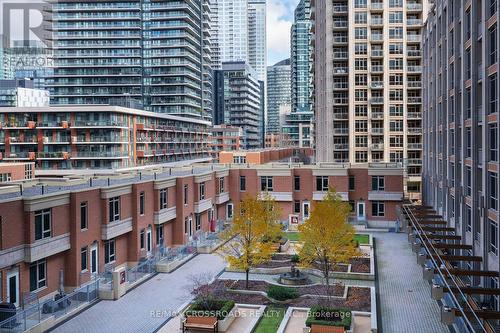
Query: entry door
x=361, y=210
x=305, y=210
x=13, y=287
x=94, y=260
x=190, y=222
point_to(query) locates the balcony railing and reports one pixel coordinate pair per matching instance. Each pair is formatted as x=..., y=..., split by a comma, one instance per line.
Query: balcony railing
x=414, y=84
x=414, y=69
x=377, y=21
x=414, y=22
x=413, y=53
x=377, y=37
x=414, y=146
x=377, y=6
x=414, y=6
x=377, y=146
x=377, y=115
x=414, y=99
x=414, y=130
x=377, y=53
x=377, y=68
x=414, y=38
x=377, y=100
x=339, y=9
x=377, y=85
x=377, y=130
x=341, y=131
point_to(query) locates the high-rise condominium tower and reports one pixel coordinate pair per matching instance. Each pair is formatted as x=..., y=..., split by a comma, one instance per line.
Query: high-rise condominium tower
x=298, y=126
x=367, y=75
x=239, y=33
x=155, y=52
x=461, y=140
x=278, y=93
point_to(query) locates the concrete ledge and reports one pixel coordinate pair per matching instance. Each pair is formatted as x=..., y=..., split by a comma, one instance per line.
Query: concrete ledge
x=167, y=267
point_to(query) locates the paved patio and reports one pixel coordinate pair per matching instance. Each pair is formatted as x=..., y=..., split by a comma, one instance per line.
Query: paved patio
x=147, y=307
x=405, y=298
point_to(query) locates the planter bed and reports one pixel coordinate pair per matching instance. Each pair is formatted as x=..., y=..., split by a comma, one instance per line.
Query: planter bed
x=281, y=256
x=358, y=299
x=360, y=265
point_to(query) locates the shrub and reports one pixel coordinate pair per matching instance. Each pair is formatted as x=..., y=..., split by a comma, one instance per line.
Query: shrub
x=321, y=315
x=280, y=293
x=215, y=308
x=295, y=258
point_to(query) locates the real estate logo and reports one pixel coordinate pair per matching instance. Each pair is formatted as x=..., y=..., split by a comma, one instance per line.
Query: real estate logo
x=26, y=34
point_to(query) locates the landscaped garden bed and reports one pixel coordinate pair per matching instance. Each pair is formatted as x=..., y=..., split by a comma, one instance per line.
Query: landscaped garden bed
x=327, y=316
x=358, y=265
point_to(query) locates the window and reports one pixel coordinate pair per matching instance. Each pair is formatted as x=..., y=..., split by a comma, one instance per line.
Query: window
x=396, y=48
x=396, y=64
x=221, y=185
x=468, y=181
x=396, y=110
x=494, y=143
x=186, y=225
x=202, y=191
x=163, y=198
x=43, y=224
x=141, y=203
x=266, y=183
x=109, y=251
x=493, y=177
x=360, y=33
x=296, y=207
x=396, y=141
x=468, y=219
x=114, y=209
x=493, y=248
x=361, y=156
x=493, y=7
x=322, y=183
x=378, y=208
x=185, y=194
x=352, y=183
x=360, y=17
x=361, y=141
x=296, y=183
x=197, y=220
x=360, y=4
x=229, y=211
x=83, y=259
x=142, y=238
x=493, y=94
x=159, y=235
x=396, y=126
x=83, y=216
x=361, y=48
x=28, y=170
x=243, y=183
x=396, y=33
x=395, y=3
x=395, y=17
x=5, y=177
x=38, y=273
x=239, y=159
x=378, y=183
x=360, y=64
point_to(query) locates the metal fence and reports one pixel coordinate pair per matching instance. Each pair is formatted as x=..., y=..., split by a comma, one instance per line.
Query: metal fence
x=142, y=269
x=20, y=321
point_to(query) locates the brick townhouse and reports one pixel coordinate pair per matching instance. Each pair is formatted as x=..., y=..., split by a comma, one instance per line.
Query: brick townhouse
x=84, y=224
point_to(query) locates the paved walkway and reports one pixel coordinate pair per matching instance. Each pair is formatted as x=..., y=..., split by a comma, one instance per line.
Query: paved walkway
x=135, y=312
x=405, y=298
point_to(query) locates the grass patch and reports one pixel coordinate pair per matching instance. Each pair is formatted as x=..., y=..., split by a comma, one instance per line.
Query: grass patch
x=271, y=320
x=293, y=236
x=362, y=239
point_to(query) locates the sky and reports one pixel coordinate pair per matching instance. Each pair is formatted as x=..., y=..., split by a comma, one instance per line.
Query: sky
x=279, y=21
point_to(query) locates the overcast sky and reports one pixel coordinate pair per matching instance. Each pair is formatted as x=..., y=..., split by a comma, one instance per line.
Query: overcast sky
x=279, y=20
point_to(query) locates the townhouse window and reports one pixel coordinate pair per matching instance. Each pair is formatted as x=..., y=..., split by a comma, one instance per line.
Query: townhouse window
x=322, y=183
x=38, y=275
x=468, y=219
x=494, y=143
x=493, y=94
x=243, y=183
x=142, y=197
x=197, y=220
x=221, y=185
x=185, y=194
x=186, y=225
x=296, y=183
x=109, y=251
x=43, y=223
x=493, y=177
x=83, y=215
x=5, y=177
x=468, y=181
x=163, y=198
x=266, y=183
x=142, y=238
x=114, y=209
x=378, y=183
x=493, y=246
x=229, y=211
x=83, y=258
x=352, y=183
x=493, y=45
x=159, y=235
x=378, y=208
x=296, y=207
x=202, y=191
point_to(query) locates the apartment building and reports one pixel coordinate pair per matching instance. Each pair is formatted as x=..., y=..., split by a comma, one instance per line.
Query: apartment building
x=155, y=52
x=367, y=82
x=278, y=94
x=239, y=101
x=99, y=137
x=16, y=171
x=298, y=124
x=225, y=138
x=22, y=93
x=85, y=225
x=461, y=121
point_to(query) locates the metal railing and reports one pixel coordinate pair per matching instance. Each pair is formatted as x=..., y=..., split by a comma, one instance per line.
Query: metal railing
x=20, y=321
x=442, y=270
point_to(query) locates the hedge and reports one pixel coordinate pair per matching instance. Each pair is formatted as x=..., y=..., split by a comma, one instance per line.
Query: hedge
x=217, y=308
x=280, y=293
x=321, y=315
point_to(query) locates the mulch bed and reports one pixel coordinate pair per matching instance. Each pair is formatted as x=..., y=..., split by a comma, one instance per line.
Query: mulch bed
x=281, y=256
x=360, y=265
x=358, y=299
